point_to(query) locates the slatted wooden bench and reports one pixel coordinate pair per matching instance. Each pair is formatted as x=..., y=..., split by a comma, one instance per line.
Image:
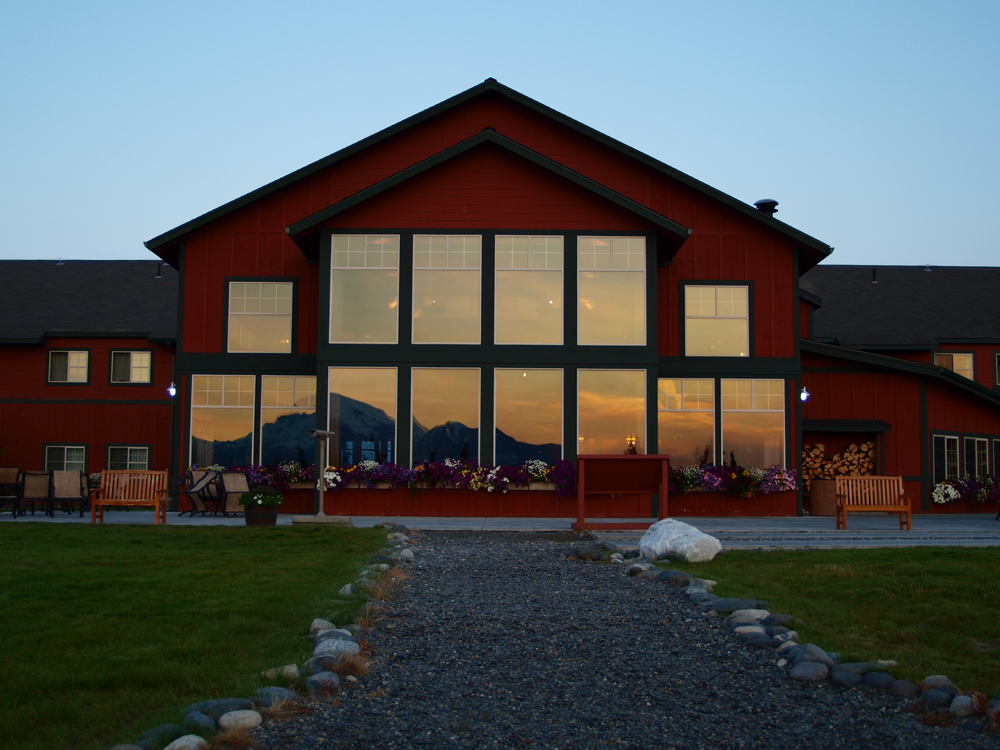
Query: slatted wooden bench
x=146, y=489
x=872, y=494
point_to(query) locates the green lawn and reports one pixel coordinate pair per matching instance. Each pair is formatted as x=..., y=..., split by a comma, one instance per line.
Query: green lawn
x=106, y=631
x=934, y=610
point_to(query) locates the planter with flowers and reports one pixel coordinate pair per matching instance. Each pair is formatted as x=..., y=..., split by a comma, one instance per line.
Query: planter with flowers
x=965, y=495
x=732, y=491
x=261, y=505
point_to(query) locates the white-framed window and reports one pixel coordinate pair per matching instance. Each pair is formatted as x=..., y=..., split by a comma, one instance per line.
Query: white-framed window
x=131, y=367
x=447, y=289
x=364, y=289
x=260, y=316
x=977, y=457
x=65, y=458
x=611, y=291
x=960, y=364
x=68, y=366
x=945, y=457
x=686, y=420
x=128, y=458
x=528, y=308
x=222, y=412
x=716, y=321
x=753, y=423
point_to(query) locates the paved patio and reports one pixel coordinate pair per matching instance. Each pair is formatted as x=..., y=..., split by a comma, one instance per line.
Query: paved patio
x=807, y=532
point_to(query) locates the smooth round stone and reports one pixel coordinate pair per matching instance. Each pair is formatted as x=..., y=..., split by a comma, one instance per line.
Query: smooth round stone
x=162, y=735
x=879, y=680
x=845, y=679
x=777, y=630
x=348, y=590
x=336, y=648
x=699, y=595
x=812, y=652
x=267, y=697
x=791, y=635
x=751, y=615
x=809, y=671
x=336, y=634
x=187, y=742
x=786, y=647
x=216, y=708
x=962, y=706
x=703, y=583
x=322, y=683
x=406, y=555
x=936, y=698
x=904, y=689
x=236, y=719
x=938, y=682
x=777, y=618
x=743, y=629
x=993, y=709
x=320, y=624
x=199, y=723
x=727, y=605
x=676, y=577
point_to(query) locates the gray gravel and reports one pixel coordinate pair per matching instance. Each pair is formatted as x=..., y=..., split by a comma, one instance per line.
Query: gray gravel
x=496, y=641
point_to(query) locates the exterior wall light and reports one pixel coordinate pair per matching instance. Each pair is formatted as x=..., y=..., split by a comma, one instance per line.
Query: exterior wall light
x=804, y=394
x=172, y=390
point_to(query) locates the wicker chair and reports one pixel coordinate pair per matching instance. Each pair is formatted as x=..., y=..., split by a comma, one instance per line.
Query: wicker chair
x=235, y=484
x=10, y=491
x=70, y=488
x=200, y=492
x=37, y=488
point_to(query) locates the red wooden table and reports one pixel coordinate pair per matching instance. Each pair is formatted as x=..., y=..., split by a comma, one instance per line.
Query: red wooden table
x=613, y=475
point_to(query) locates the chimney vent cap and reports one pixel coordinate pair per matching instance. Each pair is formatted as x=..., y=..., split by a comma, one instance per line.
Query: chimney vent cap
x=767, y=206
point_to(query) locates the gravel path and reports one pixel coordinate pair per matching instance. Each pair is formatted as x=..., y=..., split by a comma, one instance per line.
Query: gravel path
x=497, y=641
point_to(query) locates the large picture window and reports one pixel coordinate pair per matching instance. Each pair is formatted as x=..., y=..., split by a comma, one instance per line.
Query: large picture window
x=686, y=420
x=960, y=364
x=128, y=458
x=611, y=290
x=260, y=316
x=611, y=411
x=364, y=289
x=131, y=367
x=362, y=415
x=222, y=408
x=65, y=458
x=445, y=414
x=716, y=321
x=753, y=423
x=977, y=457
x=945, y=459
x=528, y=406
x=447, y=289
x=287, y=413
x=68, y=367
x=529, y=290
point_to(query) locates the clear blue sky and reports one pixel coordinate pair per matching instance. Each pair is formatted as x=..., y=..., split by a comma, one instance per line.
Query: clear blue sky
x=876, y=125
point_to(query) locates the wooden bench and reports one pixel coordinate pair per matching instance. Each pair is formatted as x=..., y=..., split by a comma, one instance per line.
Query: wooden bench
x=131, y=489
x=872, y=494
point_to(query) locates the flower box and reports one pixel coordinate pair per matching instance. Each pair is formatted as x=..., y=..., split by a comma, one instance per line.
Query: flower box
x=718, y=504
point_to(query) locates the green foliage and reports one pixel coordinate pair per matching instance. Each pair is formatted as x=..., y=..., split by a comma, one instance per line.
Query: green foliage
x=109, y=630
x=935, y=610
x=263, y=496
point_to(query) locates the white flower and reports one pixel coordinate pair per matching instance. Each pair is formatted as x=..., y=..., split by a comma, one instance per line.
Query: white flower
x=944, y=493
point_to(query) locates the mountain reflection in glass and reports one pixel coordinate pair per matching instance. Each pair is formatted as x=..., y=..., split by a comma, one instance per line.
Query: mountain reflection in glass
x=288, y=412
x=611, y=407
x=528, y=407
x=222, y=409
x=362, y=415
x=445, y=421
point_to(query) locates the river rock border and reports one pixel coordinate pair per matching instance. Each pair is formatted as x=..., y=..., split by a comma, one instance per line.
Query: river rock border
x=316, y=676
x=757, y=628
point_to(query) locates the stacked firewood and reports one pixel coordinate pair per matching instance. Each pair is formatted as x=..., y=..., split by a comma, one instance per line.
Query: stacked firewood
x=855, y=460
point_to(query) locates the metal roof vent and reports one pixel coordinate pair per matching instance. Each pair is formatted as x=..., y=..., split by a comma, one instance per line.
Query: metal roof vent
x=767, y=206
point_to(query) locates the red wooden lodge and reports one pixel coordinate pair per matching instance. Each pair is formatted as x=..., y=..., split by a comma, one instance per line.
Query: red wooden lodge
x=493, y=280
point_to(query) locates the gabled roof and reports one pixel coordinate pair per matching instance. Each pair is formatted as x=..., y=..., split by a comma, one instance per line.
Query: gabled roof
x=816, y=250
x=909, y=308
x=902, y=365
x=303, y=230
x=121, y=298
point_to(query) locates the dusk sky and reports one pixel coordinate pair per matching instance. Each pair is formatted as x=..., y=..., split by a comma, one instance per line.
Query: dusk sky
x=876, y=125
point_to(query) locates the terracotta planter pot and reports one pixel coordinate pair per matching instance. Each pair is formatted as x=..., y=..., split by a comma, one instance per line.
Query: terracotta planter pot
x=823, y=497
x=257, y=515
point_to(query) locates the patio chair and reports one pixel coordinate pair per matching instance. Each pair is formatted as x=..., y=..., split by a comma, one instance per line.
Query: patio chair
x=10, y=491
x=200, y=492
x=37, y=488
x=70, y=488
x=235, y=484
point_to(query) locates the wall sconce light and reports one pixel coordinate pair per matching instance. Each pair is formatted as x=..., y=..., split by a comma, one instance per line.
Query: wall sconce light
x=804, y=394
x=172, y=390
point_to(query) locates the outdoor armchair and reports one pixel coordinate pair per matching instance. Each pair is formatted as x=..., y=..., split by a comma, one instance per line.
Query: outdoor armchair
x=200, y=492
x=37, y=488
x=70, y=488
x=10, y=490
x=235, y=484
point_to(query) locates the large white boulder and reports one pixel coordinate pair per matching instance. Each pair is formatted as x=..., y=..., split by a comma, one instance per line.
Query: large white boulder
x=670, y=536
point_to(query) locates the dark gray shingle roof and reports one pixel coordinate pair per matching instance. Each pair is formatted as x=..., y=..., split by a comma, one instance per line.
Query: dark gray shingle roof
x=909, y=307
x=39, y=298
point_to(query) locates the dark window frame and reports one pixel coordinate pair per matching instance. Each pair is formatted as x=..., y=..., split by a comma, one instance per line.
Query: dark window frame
x=48, y=366
x=146, y=446
x=958, y=460
x=682, y=316
x=45, y=454
x=111, y=367
x=229, y=280
x=936, y=352
x=968, y=439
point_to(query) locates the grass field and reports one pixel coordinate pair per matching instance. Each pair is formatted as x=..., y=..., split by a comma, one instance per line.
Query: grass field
x=106, y=631
x=934, y=610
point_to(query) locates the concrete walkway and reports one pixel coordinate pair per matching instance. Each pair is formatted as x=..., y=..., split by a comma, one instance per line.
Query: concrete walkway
x=807, y=532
